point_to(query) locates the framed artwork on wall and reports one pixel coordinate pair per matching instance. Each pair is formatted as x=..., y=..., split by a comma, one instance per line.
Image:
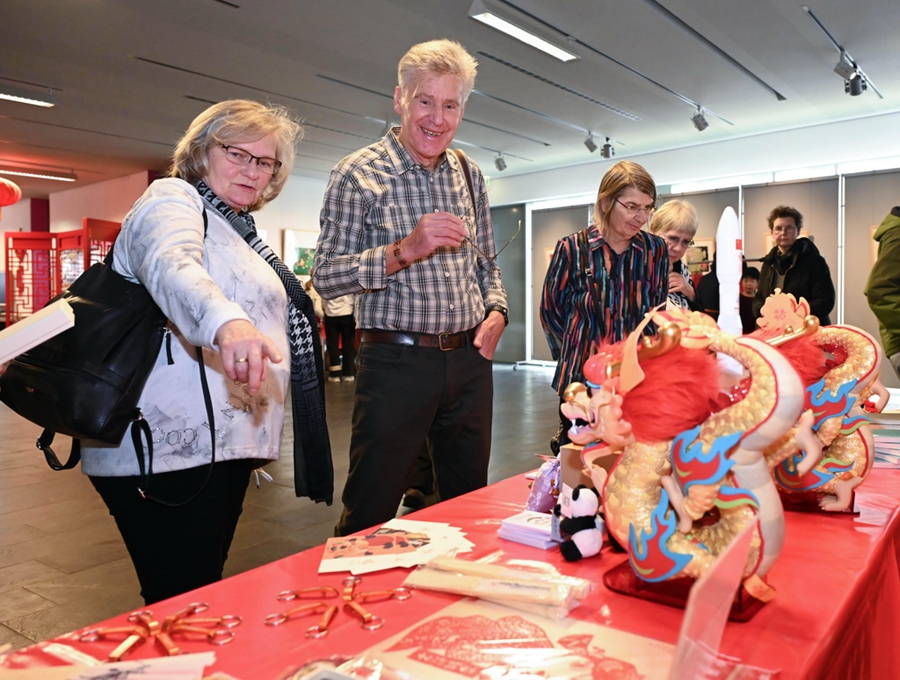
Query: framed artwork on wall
x=299, y=251
x=699, y=256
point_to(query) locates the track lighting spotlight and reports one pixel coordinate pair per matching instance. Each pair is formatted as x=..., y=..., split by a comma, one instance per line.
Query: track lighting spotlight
x=699, y=120
x=590, y=143
x=845, y=67
x=855, y=85
x=855, y=80
x=500, y=162
x=608, y=151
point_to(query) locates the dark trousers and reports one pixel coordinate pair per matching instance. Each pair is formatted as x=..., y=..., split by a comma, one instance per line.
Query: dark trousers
x=421, y=474
x=403, y=396
x=175, y=550
x=340, y=337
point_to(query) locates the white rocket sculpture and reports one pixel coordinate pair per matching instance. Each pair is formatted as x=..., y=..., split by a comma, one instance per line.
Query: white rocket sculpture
x=729, y=266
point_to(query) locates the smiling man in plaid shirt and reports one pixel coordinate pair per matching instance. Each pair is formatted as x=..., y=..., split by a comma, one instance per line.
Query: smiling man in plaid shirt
x=401, y=229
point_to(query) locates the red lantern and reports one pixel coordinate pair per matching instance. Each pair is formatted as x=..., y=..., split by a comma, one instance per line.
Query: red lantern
x=9, y=192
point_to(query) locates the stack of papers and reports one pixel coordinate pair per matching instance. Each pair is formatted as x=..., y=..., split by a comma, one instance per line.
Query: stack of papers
x=530, y=528
x=886, y=433
x=397, y=543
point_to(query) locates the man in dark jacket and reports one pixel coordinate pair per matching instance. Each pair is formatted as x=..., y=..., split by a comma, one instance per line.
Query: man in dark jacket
x=883, y=287
x=795, y=266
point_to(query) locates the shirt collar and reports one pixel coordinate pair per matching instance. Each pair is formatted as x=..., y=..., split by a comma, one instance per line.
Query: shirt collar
x=595, y=238
x=400, y=156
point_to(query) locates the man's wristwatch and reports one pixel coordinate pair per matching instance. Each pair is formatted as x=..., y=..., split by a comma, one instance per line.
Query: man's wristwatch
x=503, y=310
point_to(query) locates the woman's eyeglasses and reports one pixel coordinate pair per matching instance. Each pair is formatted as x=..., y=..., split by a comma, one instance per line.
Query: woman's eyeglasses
x=241, y=157
x=674, y=241
x=634, y=208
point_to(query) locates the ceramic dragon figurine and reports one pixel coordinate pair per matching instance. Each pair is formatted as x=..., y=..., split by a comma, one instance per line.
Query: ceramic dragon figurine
x=830, y=451
x=690, y=473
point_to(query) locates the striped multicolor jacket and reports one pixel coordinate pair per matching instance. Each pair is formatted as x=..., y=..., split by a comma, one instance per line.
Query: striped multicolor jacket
x=578, y=317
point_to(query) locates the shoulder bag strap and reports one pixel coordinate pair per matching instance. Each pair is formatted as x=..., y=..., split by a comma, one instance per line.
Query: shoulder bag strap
x=586, y=261
x=467, y=173
x=140, y=428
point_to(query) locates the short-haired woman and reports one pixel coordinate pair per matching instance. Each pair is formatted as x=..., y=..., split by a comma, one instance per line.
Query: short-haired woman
x=190, y=240
x=603, y=279
x=676, y=221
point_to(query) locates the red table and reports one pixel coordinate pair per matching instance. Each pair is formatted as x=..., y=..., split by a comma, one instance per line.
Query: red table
x=835, y=616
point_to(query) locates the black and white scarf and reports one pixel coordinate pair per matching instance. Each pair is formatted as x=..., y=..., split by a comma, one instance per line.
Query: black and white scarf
x=313, y=467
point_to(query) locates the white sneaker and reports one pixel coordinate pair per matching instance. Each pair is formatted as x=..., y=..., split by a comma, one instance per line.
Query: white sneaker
x=349, y=378
x=334, y=378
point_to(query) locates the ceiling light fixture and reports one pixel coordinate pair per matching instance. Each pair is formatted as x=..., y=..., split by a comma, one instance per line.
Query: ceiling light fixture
x=500, y=162
x=590, y=143
x=16, y=94
x=492, y=15
x=608, y=151
x=59, y=176
x=699, y=120
x=855, y=80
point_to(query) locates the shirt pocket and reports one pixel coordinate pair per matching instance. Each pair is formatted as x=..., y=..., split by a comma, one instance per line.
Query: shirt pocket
x=389, y=223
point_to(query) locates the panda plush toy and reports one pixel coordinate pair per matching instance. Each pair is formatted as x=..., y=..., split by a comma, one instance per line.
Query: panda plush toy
x=584, y=528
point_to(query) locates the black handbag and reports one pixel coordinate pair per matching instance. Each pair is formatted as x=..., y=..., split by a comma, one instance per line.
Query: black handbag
x=86, y=381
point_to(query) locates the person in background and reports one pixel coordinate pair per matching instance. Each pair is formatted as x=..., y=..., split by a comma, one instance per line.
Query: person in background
x=315, y=297
x=340, y=338
x=603, y=280
x=708, y=291
x=191, y=242
x=401, y=230
x=883, y=287
x=676, y=221
x=795, y=266
x=749, y=284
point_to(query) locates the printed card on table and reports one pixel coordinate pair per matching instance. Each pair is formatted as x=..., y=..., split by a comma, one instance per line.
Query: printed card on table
x=477, y=639
x=398, y=543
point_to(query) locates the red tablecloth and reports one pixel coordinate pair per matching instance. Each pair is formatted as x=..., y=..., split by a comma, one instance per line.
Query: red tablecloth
x=835, y=616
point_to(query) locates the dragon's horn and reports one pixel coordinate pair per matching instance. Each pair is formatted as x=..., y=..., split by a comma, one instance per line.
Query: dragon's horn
x=810, y=327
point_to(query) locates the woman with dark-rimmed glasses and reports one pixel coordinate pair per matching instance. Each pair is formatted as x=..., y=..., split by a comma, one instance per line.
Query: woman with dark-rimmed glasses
x=603, y=279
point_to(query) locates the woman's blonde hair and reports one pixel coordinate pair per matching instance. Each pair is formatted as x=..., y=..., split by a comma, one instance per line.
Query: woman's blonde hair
x=617, y=179
x=437, y=58
x=232, y=122
x=674, y=215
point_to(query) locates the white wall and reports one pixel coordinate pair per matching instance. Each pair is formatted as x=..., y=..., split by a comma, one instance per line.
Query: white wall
x=110, y=200
x=297, y=207
x=15, y=217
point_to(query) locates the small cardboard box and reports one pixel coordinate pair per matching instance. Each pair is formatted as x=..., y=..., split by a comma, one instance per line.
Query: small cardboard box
x=572, y=470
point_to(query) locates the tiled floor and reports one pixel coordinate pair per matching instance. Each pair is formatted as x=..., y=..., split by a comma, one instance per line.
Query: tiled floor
x=63, y=565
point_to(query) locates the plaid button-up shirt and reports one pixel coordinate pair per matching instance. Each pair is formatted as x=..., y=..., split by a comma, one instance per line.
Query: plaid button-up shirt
x=376, y=196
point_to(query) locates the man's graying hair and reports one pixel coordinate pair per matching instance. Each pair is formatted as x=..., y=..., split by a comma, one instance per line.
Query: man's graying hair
x=438, y=58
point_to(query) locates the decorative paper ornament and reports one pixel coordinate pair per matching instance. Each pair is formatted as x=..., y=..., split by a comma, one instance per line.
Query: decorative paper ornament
x=9, y=192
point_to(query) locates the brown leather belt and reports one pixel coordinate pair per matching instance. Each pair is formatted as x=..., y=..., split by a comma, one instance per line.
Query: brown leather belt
x=444, y=342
